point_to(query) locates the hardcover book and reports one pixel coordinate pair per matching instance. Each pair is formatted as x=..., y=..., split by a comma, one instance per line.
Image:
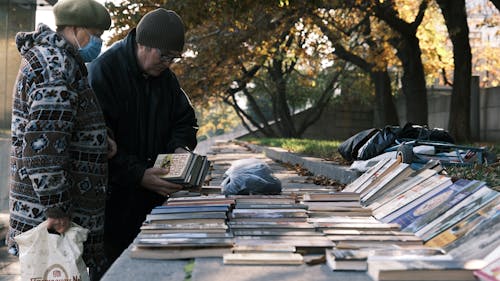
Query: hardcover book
x=189, y=169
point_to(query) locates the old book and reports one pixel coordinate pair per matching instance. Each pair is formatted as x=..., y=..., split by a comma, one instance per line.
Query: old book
x=275, y=232
x=268, y=213
x=275, y=219
x=193, y=215
x=183, y=168
x=272, y=248
x=490, y=272
x=269, y=206
x=270, y=225
x=377, y=176
x=325, y=206
x=422, y=268
x=410, y=195
x=347, y=232
x=389, y=239
x=205, y=235
x=179, y=242
x=357, y=226
x=187, y=221
x=416, y=201
x=263, y=258
x=355, y=260
x=188, y=209
x=433, y=207
x=388, y=195
x=462, y=209
x=177, y=253
x=345, y=219
x=341, y=211
x=356, y=184
x=456, y=231
x=389, y=180
x=303, y=244
x=330, y=197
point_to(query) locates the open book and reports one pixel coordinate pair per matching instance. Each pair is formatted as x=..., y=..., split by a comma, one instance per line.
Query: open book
x=188, y=169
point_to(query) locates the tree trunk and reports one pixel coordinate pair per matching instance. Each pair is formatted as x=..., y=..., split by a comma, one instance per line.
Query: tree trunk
x=455, y=17
x=385, y=112
x=413, y=80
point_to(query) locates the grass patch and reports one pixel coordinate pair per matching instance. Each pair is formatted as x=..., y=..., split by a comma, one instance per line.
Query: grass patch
x=328, y=150
x=188, y=270
x=314, y=148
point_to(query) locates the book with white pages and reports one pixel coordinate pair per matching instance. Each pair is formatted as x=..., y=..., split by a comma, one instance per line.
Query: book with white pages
x=389, y=165
x=410, y=195
x=388, y=195
x=461, y=210
x=353, y=186
x=399, y=173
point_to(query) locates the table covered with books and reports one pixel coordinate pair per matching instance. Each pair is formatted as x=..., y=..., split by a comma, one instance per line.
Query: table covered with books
x=320, y=232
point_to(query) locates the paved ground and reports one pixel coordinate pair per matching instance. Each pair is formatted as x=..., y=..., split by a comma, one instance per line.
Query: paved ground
x=222, y=154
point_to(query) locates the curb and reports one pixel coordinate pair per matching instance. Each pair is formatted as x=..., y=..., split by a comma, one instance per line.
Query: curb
x=316, y=166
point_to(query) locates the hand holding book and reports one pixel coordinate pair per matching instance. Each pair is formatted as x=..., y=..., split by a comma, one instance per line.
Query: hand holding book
x=152, y=181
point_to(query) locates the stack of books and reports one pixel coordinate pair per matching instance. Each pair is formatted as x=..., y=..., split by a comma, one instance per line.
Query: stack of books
x=322, y=204
x=186, y=227
x=188, y=169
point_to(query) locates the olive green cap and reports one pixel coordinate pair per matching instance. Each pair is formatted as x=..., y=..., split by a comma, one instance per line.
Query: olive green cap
x=82, y=13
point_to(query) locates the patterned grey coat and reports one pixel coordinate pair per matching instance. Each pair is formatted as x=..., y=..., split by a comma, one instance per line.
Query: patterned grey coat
x=58, y=154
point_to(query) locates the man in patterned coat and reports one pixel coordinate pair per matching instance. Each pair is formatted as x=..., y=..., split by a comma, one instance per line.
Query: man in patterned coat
x=59, y=142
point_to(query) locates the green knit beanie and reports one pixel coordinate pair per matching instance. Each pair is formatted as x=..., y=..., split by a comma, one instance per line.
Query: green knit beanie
x=82, y=13
x=162, y=29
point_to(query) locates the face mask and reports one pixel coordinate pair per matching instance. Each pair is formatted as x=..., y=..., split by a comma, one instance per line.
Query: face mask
x=91, y=50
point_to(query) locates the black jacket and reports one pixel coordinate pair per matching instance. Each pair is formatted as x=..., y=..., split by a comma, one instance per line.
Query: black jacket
x=148, y=116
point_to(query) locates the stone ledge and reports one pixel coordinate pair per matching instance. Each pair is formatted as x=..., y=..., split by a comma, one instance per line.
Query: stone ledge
x=316, y=166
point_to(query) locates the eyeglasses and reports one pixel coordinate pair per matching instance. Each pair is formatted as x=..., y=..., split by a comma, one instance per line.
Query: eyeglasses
x=169, y=58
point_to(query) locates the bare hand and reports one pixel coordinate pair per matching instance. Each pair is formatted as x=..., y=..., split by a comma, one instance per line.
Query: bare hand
x=60, y=225
x=152, y=181
x=112, y=148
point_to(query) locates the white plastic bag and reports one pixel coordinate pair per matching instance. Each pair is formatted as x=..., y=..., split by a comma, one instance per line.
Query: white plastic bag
x=250, y=176
x=47, y=256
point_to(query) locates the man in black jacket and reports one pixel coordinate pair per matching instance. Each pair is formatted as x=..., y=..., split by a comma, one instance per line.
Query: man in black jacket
x=148, y=113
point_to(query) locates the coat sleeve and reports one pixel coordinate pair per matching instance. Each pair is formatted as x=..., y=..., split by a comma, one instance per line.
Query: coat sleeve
x=125, y=169
x=185, y=126
x=51, y=112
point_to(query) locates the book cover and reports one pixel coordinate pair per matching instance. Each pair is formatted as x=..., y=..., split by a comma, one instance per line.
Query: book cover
x=388, y=195
x=395, y=176
x=176, y=164
x=491, y=272
x=410, y=195
x=488, y=212
x=430, y=209
x=377, y=176
x=462, y=209
x=263, y=258
x=353, y=186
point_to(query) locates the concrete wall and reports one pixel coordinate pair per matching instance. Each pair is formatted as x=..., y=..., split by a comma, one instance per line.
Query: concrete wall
x=439, y=109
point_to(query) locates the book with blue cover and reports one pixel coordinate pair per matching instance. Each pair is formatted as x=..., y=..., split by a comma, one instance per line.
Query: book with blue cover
x=426, y=211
